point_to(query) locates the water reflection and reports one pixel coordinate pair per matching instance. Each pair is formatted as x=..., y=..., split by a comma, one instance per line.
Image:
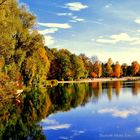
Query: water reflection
x=96, y=89
x=135, y=88
x=19, y=121
x=67, y=96
x=103, y=110
x=99, y=87
x=113, y=87
x=22, y=121
x=117, y=86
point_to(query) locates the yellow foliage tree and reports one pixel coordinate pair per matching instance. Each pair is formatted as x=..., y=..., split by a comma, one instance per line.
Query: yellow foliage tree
x=97, y=68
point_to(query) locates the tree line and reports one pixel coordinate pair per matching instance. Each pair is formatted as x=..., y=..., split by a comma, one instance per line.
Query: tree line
x=67, y=66
x=24, y=60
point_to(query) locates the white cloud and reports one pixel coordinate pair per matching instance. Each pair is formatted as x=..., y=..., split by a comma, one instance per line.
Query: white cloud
x=106, y=41
x=137, y=20
x=49, y=124
x=64, y=14
x=93, y=39
x=137, y=42
x=78, y=131
x=73, y=20
x=79, y=19
x=49, y=40
x=122, y=37
x=119, y=113
x=53, y=27
x=57, y=127
x=56, y=25
x=108, y=5
x=75, y=6
x=97, y=22
x=76, y=19
x=63, y=138
x=49, y=121
x=138, y=129
x=48, y=31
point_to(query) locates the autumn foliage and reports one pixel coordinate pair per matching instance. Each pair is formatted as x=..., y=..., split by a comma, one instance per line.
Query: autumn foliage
x=25, y=60
x=93, y=74
x=117, y=70
x=135, y=67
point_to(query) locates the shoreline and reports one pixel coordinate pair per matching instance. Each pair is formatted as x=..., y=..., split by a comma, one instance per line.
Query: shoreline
x=100, y=80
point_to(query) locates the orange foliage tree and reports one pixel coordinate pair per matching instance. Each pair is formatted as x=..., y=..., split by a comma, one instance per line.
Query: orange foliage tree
x=93, y=74
x=117, y=70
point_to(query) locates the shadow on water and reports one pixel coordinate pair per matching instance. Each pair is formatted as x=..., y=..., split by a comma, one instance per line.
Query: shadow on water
x=21, y=120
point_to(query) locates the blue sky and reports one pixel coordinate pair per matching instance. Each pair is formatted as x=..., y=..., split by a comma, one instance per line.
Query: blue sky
x=106, y=28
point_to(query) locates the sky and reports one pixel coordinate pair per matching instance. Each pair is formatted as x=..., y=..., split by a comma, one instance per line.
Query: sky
x=105, y=28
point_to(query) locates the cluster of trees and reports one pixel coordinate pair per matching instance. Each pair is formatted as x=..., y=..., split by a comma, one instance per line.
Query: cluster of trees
x=67, y=66
x=24, y=60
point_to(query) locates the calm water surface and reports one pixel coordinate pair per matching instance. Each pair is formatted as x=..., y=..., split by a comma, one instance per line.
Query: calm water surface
x=94, y=111
x=86, y=111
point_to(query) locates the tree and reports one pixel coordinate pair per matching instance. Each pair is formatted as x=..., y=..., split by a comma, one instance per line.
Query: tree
x=94, y=59
x=97, y=68
x=78, y=68
x=135, y=67
x=93, y=74
x=3, y=2
x=61, y=68
x=117, y=70
x=87, y=63
x=109, y=67
x=22, y=48
x=36, y=66
x=129, y=71
x=124, y=69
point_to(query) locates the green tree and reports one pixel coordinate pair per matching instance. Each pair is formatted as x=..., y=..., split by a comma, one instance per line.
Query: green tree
x=78, y=68
x=87, y=63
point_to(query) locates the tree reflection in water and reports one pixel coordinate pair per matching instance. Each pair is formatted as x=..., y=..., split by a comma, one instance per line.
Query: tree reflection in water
x=19, y=121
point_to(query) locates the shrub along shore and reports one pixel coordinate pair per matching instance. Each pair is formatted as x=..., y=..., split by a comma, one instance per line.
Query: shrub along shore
x=101, y=80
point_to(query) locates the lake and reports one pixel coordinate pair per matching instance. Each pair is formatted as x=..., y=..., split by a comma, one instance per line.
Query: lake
x=104, y=111
x=83, y=111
